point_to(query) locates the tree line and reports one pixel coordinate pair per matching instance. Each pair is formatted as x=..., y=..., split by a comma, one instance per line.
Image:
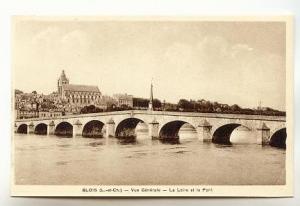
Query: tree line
x=185, y=105
x=216, y=107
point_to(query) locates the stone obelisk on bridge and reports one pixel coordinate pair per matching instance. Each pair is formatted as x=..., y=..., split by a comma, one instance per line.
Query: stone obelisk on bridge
x=150, y=106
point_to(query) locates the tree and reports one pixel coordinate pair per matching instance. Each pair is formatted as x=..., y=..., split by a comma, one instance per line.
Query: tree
x=140, y=102
x=17, y=91
x=185, y=105
x=207, y=107
x=125, y=107
x=156, y=103
x=90, y=109
x=170, y=107
x=235, y=108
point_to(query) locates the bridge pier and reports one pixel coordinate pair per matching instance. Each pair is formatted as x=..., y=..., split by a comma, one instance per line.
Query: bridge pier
x=15, y=128
x=51, y=128
x=204, y=131
x=153, y=129
x=30, y=128
x=77, y=129
x=263, y=135
x=110, y=128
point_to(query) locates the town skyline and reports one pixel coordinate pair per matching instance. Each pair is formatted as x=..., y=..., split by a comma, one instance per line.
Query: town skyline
x=190, y=60
x=145, y=97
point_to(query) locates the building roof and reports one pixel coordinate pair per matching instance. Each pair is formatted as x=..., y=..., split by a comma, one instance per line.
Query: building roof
x=80, y=88
x=123, y=95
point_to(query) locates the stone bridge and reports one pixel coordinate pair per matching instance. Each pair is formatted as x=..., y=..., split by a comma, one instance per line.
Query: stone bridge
x=160, y=125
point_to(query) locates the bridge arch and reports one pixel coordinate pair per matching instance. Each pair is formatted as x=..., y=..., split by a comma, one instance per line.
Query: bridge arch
x=64, y=129
x=41, y=129
x=170, y=130
x=22, y=129
x=126, y=128
x=278, y=139
x=221, y=135
x=93, y=128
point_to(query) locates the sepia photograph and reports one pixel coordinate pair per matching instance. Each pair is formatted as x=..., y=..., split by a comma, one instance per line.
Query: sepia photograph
x=152, y=106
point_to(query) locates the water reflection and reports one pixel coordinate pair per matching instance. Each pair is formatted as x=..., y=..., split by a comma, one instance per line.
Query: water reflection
x=184, y=161
x=223, y=145
x=127, y=140
x=170, y=141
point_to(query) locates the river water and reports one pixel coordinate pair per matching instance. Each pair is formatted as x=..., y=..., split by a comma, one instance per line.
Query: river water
x=52, y=160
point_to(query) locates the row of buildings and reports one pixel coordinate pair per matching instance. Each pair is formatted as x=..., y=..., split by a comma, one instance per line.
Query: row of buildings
x=68, y=99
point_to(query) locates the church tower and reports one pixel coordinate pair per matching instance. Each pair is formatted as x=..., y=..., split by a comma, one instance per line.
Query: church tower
x=150, y=106
x=62, y=81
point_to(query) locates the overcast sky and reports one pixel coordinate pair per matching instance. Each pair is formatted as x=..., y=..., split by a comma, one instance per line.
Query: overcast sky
x=228, y=62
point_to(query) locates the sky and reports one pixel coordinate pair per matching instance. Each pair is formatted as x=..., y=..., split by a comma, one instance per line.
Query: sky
x=230, y=62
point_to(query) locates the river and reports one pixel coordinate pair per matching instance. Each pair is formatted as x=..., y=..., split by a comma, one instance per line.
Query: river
x=52, y=160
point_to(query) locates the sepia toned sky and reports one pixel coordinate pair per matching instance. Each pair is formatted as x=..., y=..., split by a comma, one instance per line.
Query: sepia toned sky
x=228, y=62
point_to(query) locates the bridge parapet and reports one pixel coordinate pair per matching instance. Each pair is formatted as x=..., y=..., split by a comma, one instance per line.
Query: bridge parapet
x=162, y=113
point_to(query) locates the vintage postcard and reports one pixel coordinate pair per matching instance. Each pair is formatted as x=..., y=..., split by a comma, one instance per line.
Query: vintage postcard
x=152, y=106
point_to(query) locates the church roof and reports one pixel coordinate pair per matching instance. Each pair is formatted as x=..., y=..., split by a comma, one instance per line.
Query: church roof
x=80, y=88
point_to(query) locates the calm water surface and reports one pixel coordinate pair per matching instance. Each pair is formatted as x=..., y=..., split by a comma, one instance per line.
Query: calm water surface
x=51, y=160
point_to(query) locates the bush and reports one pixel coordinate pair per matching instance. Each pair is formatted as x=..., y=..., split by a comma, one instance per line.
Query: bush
x=90, y=109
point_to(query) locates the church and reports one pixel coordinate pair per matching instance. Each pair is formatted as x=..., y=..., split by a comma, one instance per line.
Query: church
x=77, y=95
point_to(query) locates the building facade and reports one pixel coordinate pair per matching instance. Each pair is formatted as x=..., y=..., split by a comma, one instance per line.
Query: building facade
x=77, y=95
x=50, y=113
x=123, y=100
x=26, y=114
